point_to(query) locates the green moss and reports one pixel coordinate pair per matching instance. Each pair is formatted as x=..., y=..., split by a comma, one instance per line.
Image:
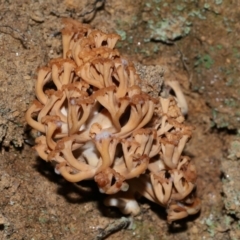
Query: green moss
x=180, y=7
x=211, y=226
x=169, y=29
x=207, y=6
x=218, y=2
x=230, y=102
x=205, y=61
x=230, y=82
x=42, y=220
x=122, y=34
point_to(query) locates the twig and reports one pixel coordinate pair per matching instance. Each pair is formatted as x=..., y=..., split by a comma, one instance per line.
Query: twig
x=190, y=74
x=113, y=227
x=16, y=34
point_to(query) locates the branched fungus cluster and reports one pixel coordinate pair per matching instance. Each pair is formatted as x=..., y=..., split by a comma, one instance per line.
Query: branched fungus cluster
x=97, y=123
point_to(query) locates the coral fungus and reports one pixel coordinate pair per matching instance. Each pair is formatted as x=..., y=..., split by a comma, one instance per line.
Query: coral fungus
x=97, y=123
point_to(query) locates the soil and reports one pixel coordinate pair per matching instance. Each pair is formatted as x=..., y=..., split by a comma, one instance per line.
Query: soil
x=195, y=42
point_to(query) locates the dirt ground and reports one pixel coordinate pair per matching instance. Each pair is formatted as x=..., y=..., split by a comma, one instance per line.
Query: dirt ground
x=195, y=42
